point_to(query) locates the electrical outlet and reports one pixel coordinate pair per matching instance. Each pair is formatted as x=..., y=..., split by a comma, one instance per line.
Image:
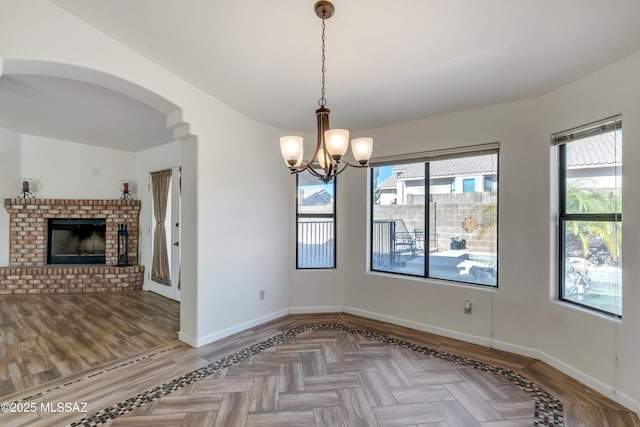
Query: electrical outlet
x=467, y=306
x=261, y=293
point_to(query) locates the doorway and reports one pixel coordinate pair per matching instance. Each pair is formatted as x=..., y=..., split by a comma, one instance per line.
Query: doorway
x=169, y=288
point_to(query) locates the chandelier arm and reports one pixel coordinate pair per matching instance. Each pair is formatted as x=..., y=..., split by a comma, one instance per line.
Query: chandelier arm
x=306, y=167
x=353, y=165
x=338, y=171
x=300, y=168
x=332, y=171
x=314, y=172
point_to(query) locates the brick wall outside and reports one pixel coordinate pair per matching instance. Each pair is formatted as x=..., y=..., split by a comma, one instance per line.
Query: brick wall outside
x=28, y=226
x=446, y=217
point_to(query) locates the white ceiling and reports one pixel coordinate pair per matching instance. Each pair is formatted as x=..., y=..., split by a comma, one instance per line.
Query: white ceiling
x=80, y=112
x=387, y=62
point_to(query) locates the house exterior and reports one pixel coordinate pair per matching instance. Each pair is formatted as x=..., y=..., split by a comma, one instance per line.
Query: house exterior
x=595, y=159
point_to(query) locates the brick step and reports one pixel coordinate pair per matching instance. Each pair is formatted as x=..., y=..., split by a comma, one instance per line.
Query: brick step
x=70, y=279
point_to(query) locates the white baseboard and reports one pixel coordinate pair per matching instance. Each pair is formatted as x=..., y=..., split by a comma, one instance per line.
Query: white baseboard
x=563, y=367
x=600, y=387
x=419, y=326
x=318, y=309
x=187, y=339
x=517, y=349
x=207, y=339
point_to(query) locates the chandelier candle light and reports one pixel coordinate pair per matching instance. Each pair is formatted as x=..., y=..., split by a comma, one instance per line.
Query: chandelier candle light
x=332, y=144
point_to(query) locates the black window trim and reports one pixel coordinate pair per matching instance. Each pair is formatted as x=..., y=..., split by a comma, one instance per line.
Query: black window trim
x=426, y=158
x=333, y=216
x=560, y=139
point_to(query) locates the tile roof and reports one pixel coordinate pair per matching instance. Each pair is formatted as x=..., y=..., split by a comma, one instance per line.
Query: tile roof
x=600, y=150
x=476, y=165
x=390, y=182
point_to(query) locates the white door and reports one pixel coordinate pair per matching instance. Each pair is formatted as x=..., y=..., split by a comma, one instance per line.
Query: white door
x=172, y=224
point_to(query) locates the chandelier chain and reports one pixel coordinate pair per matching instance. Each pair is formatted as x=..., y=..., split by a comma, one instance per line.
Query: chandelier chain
x=327, y=160
x=322, y=101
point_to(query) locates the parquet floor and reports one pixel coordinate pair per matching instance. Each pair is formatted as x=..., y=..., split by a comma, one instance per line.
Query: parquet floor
x=335, y=378
x=319, y=377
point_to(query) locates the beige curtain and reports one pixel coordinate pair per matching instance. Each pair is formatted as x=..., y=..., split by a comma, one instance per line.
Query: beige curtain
x=160, y=182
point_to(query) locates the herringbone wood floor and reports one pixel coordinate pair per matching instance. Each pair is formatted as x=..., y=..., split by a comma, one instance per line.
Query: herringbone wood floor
x=119, y=380
x=334, y=378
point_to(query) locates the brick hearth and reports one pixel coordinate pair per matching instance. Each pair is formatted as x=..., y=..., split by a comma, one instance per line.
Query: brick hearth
x=70, y=279
x=28, y=272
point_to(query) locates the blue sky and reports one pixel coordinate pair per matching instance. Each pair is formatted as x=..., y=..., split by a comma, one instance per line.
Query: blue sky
x=383, y=173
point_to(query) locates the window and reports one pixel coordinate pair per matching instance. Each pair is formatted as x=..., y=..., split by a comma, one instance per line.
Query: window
x=590, y=215
x=453, y=185
x=316, y=214
x=488, y=186
x=429, y=230
x=469, y=185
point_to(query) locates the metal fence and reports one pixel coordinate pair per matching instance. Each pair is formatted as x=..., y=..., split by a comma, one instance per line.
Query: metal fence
x=316, y=244
x=392, y=244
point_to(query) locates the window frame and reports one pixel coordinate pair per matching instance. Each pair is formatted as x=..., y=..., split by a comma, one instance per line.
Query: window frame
x=427, y=158
x=561, y=140
x=332, y=215
x=466, y=181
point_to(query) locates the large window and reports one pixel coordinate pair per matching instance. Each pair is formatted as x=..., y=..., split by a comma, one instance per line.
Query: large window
x=315, y=213
x=590, y=215
x=424, y=227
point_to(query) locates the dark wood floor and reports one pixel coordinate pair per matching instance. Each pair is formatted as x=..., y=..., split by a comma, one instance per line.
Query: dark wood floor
x=318, y=378
x=44, y=338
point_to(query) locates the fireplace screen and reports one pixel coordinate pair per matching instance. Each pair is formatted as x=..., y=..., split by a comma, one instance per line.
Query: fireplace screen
x=76, y=241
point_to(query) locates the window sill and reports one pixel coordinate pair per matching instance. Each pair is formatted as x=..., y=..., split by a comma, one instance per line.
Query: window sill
x=432, y=281
x=585, y=310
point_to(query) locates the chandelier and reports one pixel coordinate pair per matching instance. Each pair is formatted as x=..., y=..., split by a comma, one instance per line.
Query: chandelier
x=332, y=144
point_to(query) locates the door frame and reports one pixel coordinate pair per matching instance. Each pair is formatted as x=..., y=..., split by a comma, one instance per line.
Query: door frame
x=173, y=236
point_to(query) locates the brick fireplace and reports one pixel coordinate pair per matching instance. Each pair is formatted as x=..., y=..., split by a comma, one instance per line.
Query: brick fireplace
x=28, y=271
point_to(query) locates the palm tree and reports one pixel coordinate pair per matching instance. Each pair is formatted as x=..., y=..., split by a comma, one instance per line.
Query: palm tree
x=489, y=219
x=588, y=200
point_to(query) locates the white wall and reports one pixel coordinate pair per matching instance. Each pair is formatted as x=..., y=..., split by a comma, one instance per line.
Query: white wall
x=605, y=349
x=59, y=170
x=523, y=314
x=243, y=225
x=315, y=291
x=9, y=184
x=69, y=170
x=233, y=233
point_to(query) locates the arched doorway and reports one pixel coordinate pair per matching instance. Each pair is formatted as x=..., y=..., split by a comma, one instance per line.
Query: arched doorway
x=173, y=120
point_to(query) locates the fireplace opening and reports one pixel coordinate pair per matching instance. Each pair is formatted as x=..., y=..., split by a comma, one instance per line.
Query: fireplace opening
x=76, y=241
